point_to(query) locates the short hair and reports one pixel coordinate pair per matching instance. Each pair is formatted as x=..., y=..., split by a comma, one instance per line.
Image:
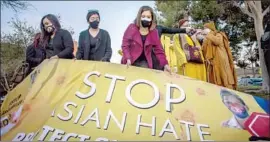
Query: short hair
x=90, y=13
x=138, y=18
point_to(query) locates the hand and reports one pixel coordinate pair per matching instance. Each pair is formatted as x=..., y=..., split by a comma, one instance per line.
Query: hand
x=128, y=63
x=188, y=29
x=54, y=57
x=167, y=68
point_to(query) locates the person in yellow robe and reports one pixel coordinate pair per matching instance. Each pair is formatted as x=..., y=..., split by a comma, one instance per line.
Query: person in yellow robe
x=218, y=56
x=185, y=66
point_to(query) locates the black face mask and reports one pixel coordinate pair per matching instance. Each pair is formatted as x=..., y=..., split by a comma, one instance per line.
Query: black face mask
x=94, y=24
x=146, y=24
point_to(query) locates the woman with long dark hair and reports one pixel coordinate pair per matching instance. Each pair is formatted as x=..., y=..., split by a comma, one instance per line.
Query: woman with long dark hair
x=57, y=42
x=35, y=53
x=141, y=42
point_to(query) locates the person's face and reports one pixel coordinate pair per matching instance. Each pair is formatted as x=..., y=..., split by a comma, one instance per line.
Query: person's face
x=186, y=24
x=147, y=15
x=234, y=105
x=94, y=17
x=206, y=31
x=47, y=24
x=199, y=35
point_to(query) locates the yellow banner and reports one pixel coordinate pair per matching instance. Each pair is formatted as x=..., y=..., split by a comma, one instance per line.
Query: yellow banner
x=82, y=100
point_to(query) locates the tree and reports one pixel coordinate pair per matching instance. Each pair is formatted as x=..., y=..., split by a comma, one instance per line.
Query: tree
x=171, y=11
x=13, y=47
x=22, y=34
x=15, y=5
x=243, y=65
x=251, y=55
x=257, y=12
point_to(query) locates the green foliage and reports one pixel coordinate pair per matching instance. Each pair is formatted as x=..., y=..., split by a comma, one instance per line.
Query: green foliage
x=11, y=56
x=171, y=11
x=206, y=10
x=22, y=34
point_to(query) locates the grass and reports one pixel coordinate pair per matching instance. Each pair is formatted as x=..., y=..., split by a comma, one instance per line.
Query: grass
x=253, y=90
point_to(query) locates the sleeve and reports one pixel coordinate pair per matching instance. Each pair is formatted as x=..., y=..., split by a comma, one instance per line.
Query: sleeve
x=30, y=56
x=80, y=51
x=159, y=52
x=126, y=43
x=68, y=45
x=167, y=30
x=108, y=50
x=216, y=39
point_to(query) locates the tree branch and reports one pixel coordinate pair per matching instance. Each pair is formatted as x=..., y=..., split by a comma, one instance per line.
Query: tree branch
x=244, y=9
x=252, y=6
x=266, y=11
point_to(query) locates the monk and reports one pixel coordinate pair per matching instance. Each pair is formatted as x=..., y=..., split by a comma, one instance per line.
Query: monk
x=218, y=56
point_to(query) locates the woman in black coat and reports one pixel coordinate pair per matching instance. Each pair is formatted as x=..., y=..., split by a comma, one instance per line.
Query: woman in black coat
x=35, y=54
x=57, y=42
x=94, y=43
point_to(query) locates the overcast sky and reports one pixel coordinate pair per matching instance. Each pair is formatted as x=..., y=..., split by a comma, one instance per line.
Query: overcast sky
x=115, y=17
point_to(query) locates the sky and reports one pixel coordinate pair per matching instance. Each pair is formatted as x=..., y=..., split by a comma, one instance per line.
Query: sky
x=115, y=17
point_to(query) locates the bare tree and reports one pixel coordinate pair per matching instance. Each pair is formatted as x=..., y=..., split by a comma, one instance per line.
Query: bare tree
x=70, y=29
x=22, y=34
x=15, y=5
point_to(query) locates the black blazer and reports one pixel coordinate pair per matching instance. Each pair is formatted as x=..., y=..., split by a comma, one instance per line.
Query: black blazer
x=62, y=45
x=102, y=51
x=165, y=30
x=34, y=56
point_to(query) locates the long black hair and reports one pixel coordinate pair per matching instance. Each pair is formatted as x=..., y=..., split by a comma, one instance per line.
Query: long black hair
x=45, y=36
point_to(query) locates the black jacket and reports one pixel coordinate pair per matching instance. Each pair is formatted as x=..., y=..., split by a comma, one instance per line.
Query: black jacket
x=102, y=51
x=62, y=45
x=34, y=56
x=165, y=30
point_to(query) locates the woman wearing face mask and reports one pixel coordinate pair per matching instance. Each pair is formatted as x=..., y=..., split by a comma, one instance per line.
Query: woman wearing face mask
x=199, y=36
x=141, y=43
x=189, y=54
x=217, y=53
x=94, y=43
x=57, y=42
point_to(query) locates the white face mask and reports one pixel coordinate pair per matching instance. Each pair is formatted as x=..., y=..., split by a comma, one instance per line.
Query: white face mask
x=200, y=37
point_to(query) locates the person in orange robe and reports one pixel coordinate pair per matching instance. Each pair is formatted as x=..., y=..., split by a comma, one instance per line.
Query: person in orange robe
x=218, y=56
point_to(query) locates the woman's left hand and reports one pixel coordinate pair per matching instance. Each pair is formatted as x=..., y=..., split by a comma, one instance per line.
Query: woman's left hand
x=167, y=68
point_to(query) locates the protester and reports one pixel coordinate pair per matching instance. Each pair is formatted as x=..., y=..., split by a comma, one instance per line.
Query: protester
x=141, y=45
x=94, y=43
x=265, y=45
x=35, y=53
x=199, y=36
x=190, y=57
x=57, y=42
x=220, y=66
